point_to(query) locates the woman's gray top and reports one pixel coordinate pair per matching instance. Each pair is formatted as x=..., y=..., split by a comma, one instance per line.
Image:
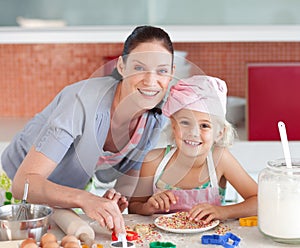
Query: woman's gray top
x=72, y=131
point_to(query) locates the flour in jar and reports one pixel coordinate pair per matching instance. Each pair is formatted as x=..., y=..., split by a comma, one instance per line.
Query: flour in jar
x=278, y=208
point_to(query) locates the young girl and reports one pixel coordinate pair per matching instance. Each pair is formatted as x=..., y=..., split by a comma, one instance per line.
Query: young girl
x=192, y=175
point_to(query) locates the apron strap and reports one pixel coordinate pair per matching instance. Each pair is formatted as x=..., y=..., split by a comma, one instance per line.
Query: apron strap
x=211, y=168
x=163, y=164
x=212, y=171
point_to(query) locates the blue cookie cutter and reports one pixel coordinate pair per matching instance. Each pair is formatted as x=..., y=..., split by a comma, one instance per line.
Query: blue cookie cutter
x=212, y=239
x=229, y=240
x=230, y=237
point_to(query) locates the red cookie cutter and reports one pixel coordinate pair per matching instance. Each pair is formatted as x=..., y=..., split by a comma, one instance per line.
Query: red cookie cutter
x=130, y=236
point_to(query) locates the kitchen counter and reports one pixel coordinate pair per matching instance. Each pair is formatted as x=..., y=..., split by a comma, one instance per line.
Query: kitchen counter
x=250, y=236
x=115, y=34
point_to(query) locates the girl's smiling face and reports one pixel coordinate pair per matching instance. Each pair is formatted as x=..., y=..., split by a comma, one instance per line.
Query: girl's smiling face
x=146, y=74
x=193, y=132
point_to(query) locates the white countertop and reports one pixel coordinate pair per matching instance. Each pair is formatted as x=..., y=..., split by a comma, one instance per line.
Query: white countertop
x=250, y=236
x=116, y=34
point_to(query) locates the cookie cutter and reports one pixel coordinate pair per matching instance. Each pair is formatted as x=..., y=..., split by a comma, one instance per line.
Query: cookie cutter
x=213, y=239
x=93, y=246
x=130, y=236
x=157, y=244
x=115, y=244
x=229, y=240
x=248, y=221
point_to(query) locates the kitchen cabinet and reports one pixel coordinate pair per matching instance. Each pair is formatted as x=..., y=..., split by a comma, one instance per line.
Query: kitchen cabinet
x=273, y=95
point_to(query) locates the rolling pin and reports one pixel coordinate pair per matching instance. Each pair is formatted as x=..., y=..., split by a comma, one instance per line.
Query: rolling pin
x=71, y=223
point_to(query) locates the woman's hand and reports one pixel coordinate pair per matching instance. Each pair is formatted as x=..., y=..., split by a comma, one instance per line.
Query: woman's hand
x=160, y=202
x=105, y=211
x=206, y=213
x=36, y=167
x=112, y=194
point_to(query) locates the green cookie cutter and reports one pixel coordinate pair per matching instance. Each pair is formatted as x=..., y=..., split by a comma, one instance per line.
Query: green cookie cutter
x=158, y=244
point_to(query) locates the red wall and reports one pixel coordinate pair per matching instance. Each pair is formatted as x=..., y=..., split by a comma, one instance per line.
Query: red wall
x=32, y=74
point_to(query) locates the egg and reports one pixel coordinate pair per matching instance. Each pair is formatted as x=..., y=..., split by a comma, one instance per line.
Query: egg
x=27, y=241
x=51, y=244
x=48, y=237
x=31, y=245
x=72, y=244
x=68, y=238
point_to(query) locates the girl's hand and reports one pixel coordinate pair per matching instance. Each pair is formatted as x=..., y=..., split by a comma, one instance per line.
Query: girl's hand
x=112, y=194
x=206, y=213
x=160, y=202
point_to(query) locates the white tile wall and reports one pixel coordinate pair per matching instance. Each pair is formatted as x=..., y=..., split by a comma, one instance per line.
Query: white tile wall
x=10, y=126
x=2, y=147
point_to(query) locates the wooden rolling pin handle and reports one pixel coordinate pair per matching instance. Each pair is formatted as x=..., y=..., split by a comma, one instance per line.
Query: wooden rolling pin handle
x=71, y=223
x=84, y=237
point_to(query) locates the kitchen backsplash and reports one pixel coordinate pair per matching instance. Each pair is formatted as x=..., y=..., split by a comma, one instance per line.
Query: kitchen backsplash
x=32, y=74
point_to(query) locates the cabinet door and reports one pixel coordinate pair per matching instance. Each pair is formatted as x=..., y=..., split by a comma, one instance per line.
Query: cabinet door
x=273, y=95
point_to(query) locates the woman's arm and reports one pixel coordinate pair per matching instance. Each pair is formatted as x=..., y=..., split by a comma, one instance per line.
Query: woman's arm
x=36, y=168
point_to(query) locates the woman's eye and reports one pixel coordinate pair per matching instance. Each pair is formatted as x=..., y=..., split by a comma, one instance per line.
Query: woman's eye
x=184, y=123
x=139, y=68
x=163, y=71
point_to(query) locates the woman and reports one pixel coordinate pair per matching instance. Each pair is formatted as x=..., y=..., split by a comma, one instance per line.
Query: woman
x=101, y=126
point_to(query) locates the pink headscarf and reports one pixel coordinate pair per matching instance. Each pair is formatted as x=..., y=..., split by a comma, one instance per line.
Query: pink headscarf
x=201, y=93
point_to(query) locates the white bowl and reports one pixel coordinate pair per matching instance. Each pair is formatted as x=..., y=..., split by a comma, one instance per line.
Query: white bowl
x=235, y=109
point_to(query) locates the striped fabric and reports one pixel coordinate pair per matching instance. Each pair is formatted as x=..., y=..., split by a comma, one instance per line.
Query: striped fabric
x=115, y=158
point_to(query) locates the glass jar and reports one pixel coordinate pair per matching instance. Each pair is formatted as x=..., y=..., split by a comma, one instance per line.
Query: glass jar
x=279, y=201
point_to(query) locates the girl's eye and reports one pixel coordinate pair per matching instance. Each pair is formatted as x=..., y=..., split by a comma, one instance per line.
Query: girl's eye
x=204, y=126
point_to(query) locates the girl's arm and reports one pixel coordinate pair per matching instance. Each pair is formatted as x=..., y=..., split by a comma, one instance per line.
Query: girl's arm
x=243, y=183
x=229, y=168
x=126, y=183
x=123, y=189
x=144, y=188
x=36, y=168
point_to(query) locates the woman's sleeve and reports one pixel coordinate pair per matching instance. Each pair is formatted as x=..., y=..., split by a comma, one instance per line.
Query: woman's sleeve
x=63, y=126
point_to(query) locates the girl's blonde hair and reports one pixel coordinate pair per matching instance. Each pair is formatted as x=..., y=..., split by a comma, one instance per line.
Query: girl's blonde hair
x=228, y=132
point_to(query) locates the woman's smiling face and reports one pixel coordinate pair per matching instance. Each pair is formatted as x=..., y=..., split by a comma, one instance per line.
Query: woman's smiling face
x=146, y=74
